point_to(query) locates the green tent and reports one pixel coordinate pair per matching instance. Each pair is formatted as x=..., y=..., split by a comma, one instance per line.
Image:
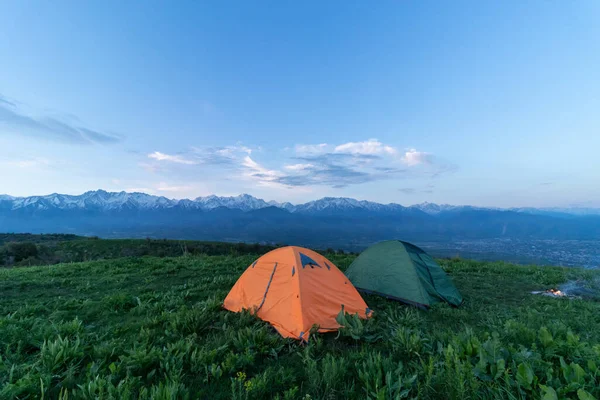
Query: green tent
x=403, y=272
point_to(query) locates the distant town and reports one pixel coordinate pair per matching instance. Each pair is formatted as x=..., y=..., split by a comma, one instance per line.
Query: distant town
x=568, y=253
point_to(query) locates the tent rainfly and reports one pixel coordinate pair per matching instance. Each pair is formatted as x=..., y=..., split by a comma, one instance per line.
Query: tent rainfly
x=402, y=271
x=294, y=289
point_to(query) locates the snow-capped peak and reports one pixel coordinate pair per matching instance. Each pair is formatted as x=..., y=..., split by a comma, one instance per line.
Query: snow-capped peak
x=286, y=205
x=98, y=199
x=338, y=204
x=105, y=201
x=433, y=209
x=243, y=202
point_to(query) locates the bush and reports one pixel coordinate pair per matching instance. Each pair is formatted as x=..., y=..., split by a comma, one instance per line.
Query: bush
x=22, y=251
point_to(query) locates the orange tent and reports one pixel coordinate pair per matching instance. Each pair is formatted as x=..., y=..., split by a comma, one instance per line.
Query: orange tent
x=294, y=288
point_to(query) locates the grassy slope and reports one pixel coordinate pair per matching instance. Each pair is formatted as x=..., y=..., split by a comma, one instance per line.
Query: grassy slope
x=153, y=328
x=56, y=249
x=42, y=239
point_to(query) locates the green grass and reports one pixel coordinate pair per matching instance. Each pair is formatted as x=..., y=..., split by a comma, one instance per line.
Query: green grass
x=148, y=327
x=30, y=250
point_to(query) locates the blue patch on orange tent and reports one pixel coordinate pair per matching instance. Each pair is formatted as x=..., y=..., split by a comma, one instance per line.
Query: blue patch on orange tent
x=306, y=260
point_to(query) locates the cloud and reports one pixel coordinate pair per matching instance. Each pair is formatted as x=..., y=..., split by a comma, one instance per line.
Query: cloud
x=336, y=176
x=29, y=163
x=369, y=147
x=427, y=163
x=333, y=169
x=226, y=157
x=357, y=159
x=347, y=164
x=298, y=167
x=230, y=151
x=311, y=148
x=222, y=156
x=6, y=101
x=98, y=137
x=412, y=157
x=408, y=190
x=353, y=163
x=13, y=120
x=157, y=155
x=149, y=167
x=260, y=174
x=440, y=167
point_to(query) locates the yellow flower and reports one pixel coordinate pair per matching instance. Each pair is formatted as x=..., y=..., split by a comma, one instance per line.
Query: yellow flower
x=241, y=376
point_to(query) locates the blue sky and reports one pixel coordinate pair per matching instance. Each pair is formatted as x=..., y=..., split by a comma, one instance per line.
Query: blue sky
x=463, y=102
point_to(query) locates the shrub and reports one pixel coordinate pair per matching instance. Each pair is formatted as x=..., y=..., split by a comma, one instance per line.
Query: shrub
x=22, y=250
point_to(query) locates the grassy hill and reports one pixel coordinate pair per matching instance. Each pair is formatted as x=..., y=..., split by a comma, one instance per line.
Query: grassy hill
x=150, y=327
x=31, y=250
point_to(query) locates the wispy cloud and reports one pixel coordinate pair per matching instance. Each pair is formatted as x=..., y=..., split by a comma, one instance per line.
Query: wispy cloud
x=13, y=120
x=29, y=163
x=369, y=147
x=226, y=157
x=354, y=163
x=428, y=163
x=311, y=148
x=332, y=169
x=6, y=101
x=158, y=156
x=149, y=167
x=334, y=175
x=298, y=167
x=411, y=190
x=408, y=190
x=335, y=166
x=263, y=176
x=222, y=156
x=412, y=157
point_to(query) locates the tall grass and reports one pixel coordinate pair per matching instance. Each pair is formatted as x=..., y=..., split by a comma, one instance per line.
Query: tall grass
x=154, y=328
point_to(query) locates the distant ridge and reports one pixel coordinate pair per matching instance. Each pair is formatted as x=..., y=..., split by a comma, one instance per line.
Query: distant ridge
x=103, y=200
x=328, y=222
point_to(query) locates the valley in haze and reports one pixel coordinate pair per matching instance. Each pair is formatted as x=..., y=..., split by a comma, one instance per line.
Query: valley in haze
x=568, y=237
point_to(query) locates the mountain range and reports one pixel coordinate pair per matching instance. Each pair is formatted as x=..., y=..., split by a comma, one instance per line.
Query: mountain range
x=103, y=200
x=331, y=221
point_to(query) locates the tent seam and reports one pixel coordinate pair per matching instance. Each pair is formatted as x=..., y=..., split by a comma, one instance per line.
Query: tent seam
x=299, y=291
x=267, y=289
x=432, y=281
x=412, y=263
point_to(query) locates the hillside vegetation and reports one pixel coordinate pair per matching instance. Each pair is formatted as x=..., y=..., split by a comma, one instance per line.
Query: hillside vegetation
x=30, y=250
x=149, y=327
